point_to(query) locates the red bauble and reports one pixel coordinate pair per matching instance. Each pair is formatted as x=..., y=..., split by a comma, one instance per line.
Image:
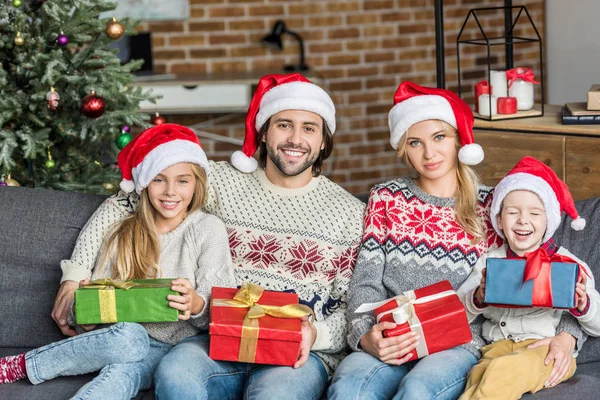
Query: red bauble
x=93, y=106
x=158, y=119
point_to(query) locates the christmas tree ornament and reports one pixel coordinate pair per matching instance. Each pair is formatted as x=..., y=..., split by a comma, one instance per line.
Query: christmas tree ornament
x=19, y=39
x=52, y=97
x=126, y=128
x=17, y=3
x=2, y=181
x=108, y=186
x=62, y=40
x=114, y=29
x=11, y=182
x=158, y=119
x=123, y=139
x=93, y=106
x=50, y=162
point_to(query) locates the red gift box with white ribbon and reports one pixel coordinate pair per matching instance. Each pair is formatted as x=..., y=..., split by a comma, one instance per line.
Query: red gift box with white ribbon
x=435, y=312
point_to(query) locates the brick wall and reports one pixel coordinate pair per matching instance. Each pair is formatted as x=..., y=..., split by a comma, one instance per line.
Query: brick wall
x=361, y=49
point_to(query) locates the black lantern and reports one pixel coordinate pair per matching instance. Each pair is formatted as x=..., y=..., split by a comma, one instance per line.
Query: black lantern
x=273, y=39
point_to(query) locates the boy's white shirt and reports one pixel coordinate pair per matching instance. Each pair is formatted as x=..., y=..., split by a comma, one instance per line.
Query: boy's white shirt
x=525, y=323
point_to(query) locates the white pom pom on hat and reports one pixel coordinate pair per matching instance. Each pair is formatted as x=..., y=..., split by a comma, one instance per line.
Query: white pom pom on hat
x=414, y=103
x=156, y=149
x=533, y=175
x=276, y=93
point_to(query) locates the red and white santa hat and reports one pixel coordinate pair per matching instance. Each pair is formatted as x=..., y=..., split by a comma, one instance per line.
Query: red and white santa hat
x=414, y=103
x=535, y=176
x=276, y=93
x=156, y=149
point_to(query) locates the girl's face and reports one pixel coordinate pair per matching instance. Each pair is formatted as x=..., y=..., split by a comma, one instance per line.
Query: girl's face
x=431, y=150
x=170, y=194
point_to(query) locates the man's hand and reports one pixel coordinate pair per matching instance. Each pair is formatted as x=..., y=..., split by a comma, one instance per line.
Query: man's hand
x=309, y=336
x=393, y=350
x=561, y=348
x=188, y=302
x=62, y=304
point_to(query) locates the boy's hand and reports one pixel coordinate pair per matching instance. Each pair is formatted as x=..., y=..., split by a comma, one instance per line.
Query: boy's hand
x=480, y=293
x=581, y=290
x=188, y=302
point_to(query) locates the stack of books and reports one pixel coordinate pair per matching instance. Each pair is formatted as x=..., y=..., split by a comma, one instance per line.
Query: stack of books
x=578, y=114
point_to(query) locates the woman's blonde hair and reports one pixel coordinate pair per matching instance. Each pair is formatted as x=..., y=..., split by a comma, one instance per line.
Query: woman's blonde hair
x=134, y=241
x=465, y=206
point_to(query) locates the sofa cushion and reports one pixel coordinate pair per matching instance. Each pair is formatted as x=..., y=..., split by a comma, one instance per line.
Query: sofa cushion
x=38, y=229
x=584, y=385
x=585, y=245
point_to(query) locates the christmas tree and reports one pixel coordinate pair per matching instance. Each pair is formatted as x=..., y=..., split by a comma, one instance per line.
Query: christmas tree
x=66, y=102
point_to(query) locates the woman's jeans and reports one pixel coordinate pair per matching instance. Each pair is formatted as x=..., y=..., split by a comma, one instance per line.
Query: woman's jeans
x=438, y=376
x=123, y=353
x=187, y=372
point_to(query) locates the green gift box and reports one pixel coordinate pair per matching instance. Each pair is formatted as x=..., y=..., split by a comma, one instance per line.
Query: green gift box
x=107, y=301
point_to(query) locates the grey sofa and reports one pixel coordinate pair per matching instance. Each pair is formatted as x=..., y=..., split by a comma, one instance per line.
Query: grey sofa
x=38, y=228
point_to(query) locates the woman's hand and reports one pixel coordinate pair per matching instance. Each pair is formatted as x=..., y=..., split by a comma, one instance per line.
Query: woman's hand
x=392, y=350
x=561, y=348
x=309, y=336
x=581, y=290
x=480, y=292
x=188, y=302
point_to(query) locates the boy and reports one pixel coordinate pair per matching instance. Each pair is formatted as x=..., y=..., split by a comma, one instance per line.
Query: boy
x=526, y=211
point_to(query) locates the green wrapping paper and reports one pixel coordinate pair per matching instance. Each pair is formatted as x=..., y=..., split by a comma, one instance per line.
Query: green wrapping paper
x=107, y=301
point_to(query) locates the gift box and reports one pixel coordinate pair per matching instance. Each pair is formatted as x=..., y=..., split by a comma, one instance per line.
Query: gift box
x=108, y=301
x=435, y=312
x=544, y=284
x=255, y=326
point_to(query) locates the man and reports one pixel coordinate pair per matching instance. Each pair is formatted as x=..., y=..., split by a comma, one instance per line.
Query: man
x=290, y=229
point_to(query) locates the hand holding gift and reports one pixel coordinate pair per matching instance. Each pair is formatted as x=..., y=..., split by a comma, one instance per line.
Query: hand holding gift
x=480, y=292
x=581, y=291
x=187, y=301
x=394, y=350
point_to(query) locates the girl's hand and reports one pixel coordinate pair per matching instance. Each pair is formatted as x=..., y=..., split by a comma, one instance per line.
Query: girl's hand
x=480, y=292
x=86, y=328
x=188, y=302
x=581, y=290
x=393, y=350
x=62, y=305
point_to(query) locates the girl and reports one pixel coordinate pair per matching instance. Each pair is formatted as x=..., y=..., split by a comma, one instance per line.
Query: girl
x=418, y=231
x=168, y=235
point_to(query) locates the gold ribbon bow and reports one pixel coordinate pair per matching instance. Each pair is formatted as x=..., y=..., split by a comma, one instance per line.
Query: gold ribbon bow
x=109, y=284
x=247, y=297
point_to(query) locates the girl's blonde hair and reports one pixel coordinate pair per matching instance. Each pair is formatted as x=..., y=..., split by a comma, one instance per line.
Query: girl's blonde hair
x=134, y=242
x=465, y=206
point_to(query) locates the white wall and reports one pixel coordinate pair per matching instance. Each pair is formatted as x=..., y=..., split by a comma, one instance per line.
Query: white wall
x=572, y=44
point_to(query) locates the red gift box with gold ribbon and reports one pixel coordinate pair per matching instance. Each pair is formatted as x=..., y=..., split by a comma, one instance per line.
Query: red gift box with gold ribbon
x=435, y=312
x=255, y=326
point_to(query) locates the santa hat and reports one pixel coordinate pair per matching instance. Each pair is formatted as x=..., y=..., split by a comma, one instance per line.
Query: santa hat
x=156, y=149
x=276, y=93
x=414, y=103
x=535, y=176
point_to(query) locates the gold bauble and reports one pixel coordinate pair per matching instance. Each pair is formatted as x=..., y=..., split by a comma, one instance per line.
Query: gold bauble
x=109, y=187
x=11, y=182
x=114, y=29
x=19, y=39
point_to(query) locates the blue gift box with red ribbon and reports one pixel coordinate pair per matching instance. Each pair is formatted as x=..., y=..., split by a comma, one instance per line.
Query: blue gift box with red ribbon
x=545, y=283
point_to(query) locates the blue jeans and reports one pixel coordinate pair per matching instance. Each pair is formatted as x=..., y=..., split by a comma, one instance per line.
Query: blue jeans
x=438, y=376
x=123, y=353
x=187, y=372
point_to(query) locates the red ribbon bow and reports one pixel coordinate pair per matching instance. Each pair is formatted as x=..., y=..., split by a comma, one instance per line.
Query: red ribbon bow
x=525, y=74
x=538, y=268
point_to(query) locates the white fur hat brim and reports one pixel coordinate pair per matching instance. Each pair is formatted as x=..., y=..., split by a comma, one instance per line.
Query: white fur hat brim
x=303, y=96
x=416, y=109
x=165, y=156
x=531, y=183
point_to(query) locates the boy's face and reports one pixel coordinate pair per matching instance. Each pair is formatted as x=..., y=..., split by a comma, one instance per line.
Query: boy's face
x=523, y=221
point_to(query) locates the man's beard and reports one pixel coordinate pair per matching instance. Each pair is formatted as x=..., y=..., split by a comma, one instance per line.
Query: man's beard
x=287, y=169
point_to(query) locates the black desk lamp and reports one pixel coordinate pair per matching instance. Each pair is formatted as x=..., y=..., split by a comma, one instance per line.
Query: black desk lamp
x=273, y=39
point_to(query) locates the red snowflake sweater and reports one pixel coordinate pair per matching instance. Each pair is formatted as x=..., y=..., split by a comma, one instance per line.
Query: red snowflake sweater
x=412, y=239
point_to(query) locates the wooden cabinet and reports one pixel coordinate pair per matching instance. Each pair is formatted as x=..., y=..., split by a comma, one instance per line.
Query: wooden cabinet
x=570, y=150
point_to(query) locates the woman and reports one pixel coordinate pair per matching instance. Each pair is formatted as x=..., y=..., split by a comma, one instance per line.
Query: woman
x=418, y=231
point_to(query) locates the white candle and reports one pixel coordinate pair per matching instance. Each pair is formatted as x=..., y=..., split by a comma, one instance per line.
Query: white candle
x=523, y=91
x=484, y=105
x=498, y=83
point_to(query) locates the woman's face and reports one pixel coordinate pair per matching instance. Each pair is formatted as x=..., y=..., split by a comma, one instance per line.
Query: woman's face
x=431, y=150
